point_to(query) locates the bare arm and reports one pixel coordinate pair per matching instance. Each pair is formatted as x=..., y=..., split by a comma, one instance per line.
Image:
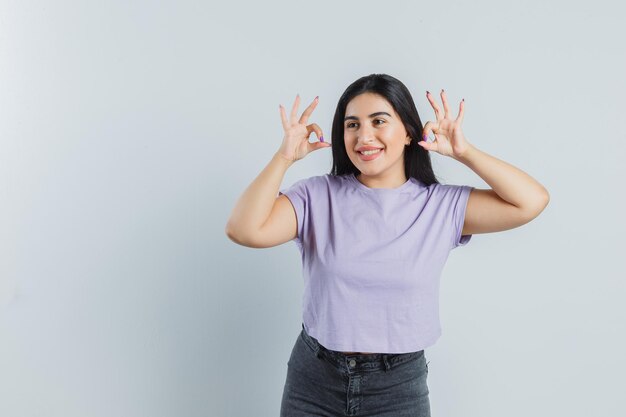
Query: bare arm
x=515, y=198
x=261, y=219
x=255, y=205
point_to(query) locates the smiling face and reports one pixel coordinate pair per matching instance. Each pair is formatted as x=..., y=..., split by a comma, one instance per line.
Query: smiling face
x=372, y=123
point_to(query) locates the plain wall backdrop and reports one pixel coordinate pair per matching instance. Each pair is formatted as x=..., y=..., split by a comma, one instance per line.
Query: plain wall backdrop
x=129, y=129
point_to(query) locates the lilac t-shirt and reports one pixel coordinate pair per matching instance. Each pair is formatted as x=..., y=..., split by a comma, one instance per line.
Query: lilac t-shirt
x=372, y=258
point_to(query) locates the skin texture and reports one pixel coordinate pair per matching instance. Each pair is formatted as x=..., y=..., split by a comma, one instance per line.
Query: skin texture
x=381, y=131
x=514, y=199
x=261, y=220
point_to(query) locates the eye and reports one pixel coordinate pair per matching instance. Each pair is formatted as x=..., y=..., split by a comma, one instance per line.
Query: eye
x=349, y=125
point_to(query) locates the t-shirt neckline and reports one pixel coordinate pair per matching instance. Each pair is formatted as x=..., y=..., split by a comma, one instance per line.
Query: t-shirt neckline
x=358, y=183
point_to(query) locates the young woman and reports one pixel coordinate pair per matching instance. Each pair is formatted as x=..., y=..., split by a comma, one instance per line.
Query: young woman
x=374, y=235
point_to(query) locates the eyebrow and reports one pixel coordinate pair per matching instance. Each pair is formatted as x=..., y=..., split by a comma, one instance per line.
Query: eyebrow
x=370, y=116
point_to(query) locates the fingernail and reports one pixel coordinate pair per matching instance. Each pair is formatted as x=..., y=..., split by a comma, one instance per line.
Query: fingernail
x=316, y=97
x=427, y=92
x=321, y=138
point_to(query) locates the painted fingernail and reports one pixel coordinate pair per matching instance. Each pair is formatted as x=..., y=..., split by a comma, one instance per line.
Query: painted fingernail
x=427, y=92
x=316, y=97
x=321, y=138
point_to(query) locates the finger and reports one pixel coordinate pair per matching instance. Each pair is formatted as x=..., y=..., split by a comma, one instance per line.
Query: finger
x=428, y=146
x=283, y=117
x=294, y=109
x=459, y=118
x=314, y=127
x=313, y=146
x=429, y=127
x=446, y=108
x=435, y=105
x=308, y=111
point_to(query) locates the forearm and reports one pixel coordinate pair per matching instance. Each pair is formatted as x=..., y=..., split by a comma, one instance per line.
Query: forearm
x=255, y=205
x=510, y=183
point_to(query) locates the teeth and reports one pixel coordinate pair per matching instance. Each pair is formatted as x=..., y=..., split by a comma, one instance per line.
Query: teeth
x=370, y=152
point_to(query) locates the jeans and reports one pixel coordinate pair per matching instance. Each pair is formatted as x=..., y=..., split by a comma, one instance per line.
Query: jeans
x=323, y=382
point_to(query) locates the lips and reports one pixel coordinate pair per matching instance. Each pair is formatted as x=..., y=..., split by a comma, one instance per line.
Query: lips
x=367, y=148
x=370, y=157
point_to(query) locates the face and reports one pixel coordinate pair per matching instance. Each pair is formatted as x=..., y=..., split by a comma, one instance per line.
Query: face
x=371, y=123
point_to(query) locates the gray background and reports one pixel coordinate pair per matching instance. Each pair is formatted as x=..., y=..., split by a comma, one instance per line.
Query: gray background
x=128, y=129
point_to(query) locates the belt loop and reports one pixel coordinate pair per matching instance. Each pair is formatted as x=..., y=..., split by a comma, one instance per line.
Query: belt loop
x=387, y=365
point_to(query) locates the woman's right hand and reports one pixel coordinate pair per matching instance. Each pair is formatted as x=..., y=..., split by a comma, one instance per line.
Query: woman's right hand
x=296, y=143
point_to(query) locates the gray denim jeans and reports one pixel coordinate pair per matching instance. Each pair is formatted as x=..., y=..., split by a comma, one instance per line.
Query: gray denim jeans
x=323, y=382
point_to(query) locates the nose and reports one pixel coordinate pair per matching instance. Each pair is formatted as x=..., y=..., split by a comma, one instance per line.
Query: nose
x=365, y=135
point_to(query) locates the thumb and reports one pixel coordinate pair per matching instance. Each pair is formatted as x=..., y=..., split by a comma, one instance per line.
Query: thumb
x=426, y=145
x=319, y=145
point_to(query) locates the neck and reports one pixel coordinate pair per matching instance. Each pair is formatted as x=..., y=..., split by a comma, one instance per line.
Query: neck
x=382, y=182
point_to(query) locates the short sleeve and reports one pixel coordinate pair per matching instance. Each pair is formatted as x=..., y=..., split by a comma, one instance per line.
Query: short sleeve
x=298, y=196
x=460, y=196
x=451, y=203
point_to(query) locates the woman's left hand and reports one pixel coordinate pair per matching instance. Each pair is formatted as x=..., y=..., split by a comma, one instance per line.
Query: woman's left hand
x=449, y=138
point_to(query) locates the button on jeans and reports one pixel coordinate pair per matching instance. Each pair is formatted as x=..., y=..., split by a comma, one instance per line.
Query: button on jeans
x=323, y=382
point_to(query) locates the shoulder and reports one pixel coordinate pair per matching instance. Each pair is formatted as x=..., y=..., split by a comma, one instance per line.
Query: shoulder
x=321, y=181
x=314, y=186
x=438, y=188
x=449, y=192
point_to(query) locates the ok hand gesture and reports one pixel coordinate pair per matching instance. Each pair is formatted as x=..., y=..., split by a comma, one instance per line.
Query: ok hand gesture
x=449, y=138
x=296, y=143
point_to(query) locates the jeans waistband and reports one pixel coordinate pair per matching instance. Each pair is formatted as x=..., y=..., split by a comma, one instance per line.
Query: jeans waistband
x=357, y=362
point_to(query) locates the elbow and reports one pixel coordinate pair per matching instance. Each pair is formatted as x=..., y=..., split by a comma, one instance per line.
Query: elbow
x=237, y=237
x=232, y=234
x=533, y=210
x=544, y=200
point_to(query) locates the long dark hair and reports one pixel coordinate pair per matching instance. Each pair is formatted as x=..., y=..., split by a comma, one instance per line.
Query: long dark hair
x=416, y=159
